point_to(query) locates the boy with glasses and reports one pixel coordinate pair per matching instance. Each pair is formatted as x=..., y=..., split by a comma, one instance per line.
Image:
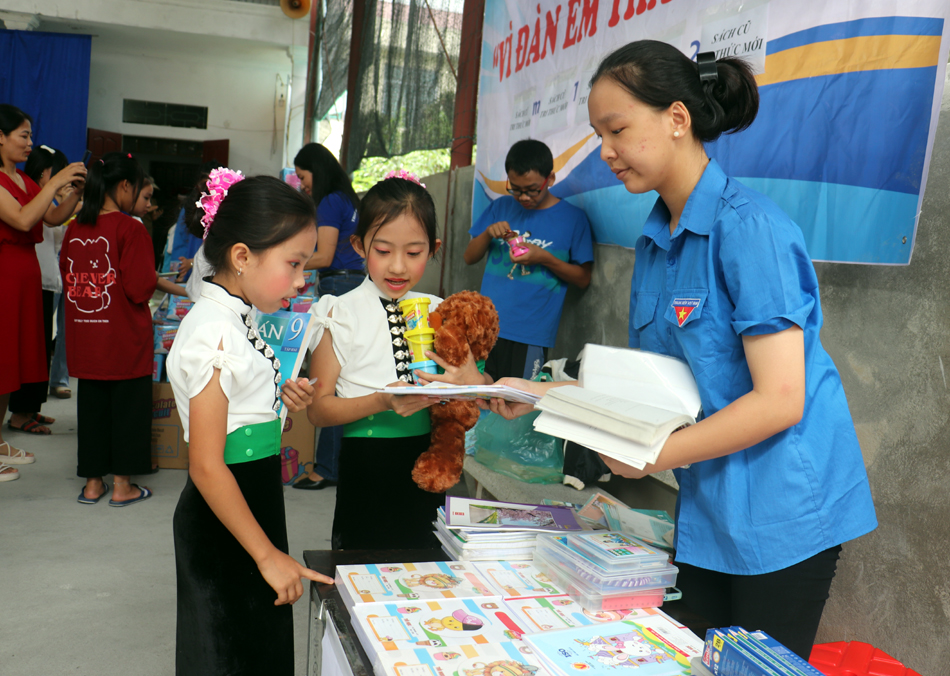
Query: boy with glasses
x=559, y=252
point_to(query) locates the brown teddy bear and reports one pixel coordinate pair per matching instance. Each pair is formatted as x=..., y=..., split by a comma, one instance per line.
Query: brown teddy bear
x=464, y=320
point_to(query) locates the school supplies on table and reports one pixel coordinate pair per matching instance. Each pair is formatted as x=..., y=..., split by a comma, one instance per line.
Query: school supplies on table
x=652, y=645
x=655, y=527
x=606, y=570
x=627, y=403
x=481, y=544
x=393, y=582
x=552, y=613
x=510, y=658
x=384, y=627
x=178, y=307
x=516, y=579
x=491, y=514
x=466, y=392
x=733, y=651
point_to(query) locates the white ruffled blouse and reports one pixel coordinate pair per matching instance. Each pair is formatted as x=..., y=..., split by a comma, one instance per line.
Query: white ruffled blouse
x=364, y=340
x=220, y=332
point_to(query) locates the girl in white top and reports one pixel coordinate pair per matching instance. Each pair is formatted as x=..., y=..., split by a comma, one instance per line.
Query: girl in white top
x=235, y=577
x=359, y=349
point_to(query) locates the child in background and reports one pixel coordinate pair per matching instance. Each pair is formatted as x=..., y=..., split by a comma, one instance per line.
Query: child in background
x=109, y=275
x=142, y=206
x=361, y=349
x=235, y=578
x=559, y=253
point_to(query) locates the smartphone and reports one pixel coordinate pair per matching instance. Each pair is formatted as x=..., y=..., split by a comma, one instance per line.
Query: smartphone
x=86, y=156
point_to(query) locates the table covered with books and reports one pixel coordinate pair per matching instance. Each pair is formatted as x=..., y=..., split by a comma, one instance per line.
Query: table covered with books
x=334, y=646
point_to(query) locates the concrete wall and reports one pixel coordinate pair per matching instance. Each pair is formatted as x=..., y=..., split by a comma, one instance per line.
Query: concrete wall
x=887, y=328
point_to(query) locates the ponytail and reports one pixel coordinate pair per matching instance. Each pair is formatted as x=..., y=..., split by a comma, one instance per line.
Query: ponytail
x=102, y=179
x=658, y=74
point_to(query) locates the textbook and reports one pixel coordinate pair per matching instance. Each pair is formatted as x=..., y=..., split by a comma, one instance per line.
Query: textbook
x=514, y=580
x=490, y=514
x=510, y=550
x=509, y=658
x=384, y=627
x=551, y=613
x=655, y=527
x=465, y=392
x=626, y=404
x=386, y=582
x=287, y=333
x=652, y=646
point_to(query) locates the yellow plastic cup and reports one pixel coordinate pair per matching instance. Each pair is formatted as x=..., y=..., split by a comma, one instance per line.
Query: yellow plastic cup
x=419, y=341
x=416, y=312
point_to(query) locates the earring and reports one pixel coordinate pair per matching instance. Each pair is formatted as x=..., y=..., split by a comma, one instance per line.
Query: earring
x=240, y=271
x=676, y=134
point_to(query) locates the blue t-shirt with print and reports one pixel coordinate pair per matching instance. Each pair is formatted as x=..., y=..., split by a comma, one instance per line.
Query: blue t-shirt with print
x=337, y=211
x=529, y=306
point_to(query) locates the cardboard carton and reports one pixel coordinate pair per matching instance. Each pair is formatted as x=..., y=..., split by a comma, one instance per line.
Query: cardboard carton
x=170, y=451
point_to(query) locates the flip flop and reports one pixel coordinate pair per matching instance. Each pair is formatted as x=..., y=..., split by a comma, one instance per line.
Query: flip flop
x=145, y=495
x=18, y=458
x=83, y=500
x=43, y=419
x=30, y=427
x=62, y=392
x=8, y=476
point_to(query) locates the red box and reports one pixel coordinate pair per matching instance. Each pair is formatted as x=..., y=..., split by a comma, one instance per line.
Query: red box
x=853, y=658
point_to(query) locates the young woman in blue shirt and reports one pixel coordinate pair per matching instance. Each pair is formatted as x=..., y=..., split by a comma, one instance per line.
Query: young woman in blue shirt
x=772, y=480
x=339, y=267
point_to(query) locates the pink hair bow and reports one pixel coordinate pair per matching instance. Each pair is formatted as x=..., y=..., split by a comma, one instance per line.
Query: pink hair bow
x=407, y=175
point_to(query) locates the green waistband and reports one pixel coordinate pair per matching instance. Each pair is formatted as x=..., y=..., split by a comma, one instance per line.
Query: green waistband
x=252, y=442
x=389, y=425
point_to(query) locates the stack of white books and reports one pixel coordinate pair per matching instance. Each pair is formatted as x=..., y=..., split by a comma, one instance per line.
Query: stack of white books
x=487, y=530
x=625, y=406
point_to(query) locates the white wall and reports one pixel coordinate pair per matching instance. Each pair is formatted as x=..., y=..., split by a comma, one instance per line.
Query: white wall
x=221, y=54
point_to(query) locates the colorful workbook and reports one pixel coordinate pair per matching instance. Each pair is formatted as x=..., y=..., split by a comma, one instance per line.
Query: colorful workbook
x=648, y=646
x=516, y=579
x=287, y=334
x=551, y=613
x=387, y=582
x=385, y=627
x=473, y=513
x=511, y=658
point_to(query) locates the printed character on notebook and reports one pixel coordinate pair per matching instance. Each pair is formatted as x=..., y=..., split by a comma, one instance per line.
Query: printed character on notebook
x=411, y=581
x=437, y=624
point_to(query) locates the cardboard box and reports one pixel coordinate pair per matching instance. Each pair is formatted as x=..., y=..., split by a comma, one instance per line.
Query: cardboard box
x=170, y=451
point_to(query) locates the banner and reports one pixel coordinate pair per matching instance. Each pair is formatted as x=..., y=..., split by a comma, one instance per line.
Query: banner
x=850, y=93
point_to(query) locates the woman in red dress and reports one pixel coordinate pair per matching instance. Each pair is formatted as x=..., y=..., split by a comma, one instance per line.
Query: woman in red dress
x=23, y=209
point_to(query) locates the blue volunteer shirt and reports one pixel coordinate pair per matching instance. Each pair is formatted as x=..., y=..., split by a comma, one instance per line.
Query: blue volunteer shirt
x=737, y=266
x=337, y=211
x=529, y=306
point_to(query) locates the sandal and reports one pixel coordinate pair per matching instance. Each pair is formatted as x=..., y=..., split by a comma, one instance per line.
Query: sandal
x=144, y=494
x=83, y=500
x=21, y=457
x=30, y=427
x=11, y=475
x=62, y=392
x=43, y=419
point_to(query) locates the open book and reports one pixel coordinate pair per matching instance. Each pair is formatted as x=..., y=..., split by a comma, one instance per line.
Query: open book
x=627, y=405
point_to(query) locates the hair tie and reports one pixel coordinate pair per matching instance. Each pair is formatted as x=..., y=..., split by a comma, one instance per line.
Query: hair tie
x=706, y=61
x=102, y=162
x=219, y=180
x=405, y=175
x=129, y=155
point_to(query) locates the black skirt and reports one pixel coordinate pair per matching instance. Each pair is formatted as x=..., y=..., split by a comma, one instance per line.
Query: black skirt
x=227, y=621
x=378, y=506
